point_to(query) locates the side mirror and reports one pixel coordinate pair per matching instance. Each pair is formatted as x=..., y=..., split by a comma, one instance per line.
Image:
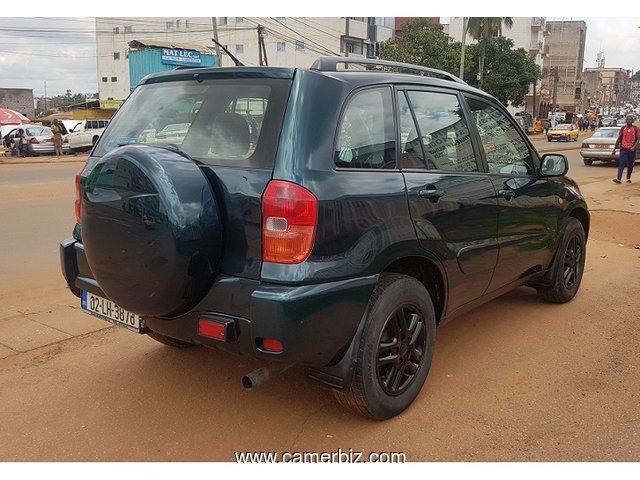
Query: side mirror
x=554, y=165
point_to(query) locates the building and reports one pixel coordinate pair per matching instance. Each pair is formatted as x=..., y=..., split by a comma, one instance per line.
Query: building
x=288, y=41
x=19, y=100
x=635, y=92
x=527, y=33
x=562, y=72
x=606, y=88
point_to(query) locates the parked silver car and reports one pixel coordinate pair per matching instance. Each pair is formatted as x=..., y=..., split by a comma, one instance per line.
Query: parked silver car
x=40, y=140
x=600, y=146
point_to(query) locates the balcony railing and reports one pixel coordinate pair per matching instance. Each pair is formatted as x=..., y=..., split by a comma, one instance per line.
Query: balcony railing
x=538, y=22
x=536, y=45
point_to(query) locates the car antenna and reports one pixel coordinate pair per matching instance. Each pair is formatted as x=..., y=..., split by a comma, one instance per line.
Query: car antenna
x=235, y=60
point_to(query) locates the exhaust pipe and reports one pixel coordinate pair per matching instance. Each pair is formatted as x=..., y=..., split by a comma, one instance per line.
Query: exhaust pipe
x=261, y=375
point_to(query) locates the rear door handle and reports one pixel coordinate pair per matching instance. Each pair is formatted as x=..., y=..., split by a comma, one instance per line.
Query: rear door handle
x=506, y=194
x=431, y=193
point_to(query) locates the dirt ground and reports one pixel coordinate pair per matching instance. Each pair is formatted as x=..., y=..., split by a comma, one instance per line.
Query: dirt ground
x=515, y=380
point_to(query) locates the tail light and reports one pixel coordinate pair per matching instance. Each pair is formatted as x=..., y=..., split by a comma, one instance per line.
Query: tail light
x=585, y=145
x=78, y=203
x=289, y=217
x=66, y=140
x=33, y=140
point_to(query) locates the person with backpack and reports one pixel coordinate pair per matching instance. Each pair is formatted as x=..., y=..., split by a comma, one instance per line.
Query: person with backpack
x=627, y=141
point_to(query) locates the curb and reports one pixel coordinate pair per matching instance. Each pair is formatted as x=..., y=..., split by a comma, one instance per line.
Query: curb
x=41, y=160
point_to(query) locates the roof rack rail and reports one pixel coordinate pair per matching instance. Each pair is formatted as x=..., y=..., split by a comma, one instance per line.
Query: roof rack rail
x=329, y=64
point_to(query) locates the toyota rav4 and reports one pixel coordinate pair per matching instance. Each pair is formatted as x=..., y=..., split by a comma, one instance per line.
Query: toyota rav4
x=329, y=217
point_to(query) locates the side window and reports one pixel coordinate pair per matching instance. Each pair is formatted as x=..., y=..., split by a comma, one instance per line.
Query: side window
x=443, y=131
x=366, y=135
x=506, y=150
x=411, y=155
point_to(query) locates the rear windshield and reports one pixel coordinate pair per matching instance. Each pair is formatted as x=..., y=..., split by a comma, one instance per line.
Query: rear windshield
x=234, y=122
x=606, y=133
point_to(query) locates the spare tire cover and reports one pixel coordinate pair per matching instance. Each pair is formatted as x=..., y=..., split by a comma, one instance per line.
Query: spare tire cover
x=151, y=229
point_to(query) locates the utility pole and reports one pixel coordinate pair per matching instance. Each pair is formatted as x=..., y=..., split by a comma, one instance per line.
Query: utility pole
x=45, y=97
x=262, y=50
x=214, y=24
x=534, y=98
x=464, y=38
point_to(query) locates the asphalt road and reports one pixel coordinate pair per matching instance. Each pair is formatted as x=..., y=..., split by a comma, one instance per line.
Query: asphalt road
x=514, y=380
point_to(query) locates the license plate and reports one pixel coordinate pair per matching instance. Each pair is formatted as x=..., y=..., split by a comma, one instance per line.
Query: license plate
x=603, y=146
x=105, y=309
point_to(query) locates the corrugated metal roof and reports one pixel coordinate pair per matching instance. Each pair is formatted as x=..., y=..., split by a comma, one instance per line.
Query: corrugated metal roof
x=149, y=43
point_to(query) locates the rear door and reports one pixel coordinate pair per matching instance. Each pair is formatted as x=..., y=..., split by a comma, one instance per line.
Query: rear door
x=528, y=214
x=452, y=201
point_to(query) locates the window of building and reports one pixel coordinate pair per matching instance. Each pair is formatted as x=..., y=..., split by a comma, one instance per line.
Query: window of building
x=116, y=55
x=239, y=48
x=114, y=79
x=186, y=24
x=239, y=19
x=171, y=26
x=281, y=46
x=222, y=20
x=128, y=29
x=116, y=30
x=105, y=79
x=299, y=45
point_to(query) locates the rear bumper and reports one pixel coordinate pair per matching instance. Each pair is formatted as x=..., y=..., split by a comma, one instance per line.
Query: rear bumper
x=315, y=323
x=47, y=149
x=599, y=154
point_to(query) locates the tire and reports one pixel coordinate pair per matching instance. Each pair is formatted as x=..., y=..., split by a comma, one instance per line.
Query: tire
x=172, y=342
x=587, y=161
x=402, y=318
x=569, y=265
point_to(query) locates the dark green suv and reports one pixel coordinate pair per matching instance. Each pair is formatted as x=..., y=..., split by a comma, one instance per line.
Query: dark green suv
x=325, y=217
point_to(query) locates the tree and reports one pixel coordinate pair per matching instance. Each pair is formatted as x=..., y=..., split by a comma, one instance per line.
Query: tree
x=482, y=29
x=508, y=73
x=423, y=43
x=636, y=77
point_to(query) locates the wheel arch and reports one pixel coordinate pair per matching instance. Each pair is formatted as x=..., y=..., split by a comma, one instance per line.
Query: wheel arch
x=582, y=216
x=429, y=273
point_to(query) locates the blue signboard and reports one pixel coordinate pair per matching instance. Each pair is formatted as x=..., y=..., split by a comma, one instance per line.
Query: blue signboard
x=174, y=56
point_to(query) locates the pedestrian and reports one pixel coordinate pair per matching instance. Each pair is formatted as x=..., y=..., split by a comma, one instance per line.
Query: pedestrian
x=22, y=144
x=57, y=136
x=546, y=125
x=627, y=141
x=554, y=122
x=538, y=126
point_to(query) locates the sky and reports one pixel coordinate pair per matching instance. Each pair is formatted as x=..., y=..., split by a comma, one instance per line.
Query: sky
x=61, y=51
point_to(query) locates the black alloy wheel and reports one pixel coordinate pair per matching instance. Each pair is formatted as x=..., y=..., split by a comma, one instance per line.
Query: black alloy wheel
x=573, y=263
x=401, y=348
x=395, y=349
x=569, y=265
